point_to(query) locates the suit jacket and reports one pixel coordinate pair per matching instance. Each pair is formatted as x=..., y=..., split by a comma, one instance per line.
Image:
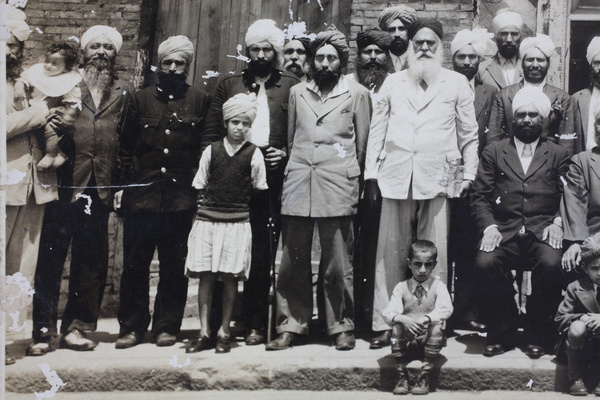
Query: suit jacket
x=580, y=299
x=484, y=96
x=581, y=112
x=327, y=143
x=96, y=134
x=501, y=118
x=23, y=151
x=505, y=196
x=160, y=150
x=417, y=145
x=580, y=206
x=490, y=72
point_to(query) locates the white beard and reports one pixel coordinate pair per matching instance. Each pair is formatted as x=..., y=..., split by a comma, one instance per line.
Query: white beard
x=423, y=68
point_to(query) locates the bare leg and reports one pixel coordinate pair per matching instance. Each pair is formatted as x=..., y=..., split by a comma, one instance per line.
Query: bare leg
x=205, y=291
x=229, y=292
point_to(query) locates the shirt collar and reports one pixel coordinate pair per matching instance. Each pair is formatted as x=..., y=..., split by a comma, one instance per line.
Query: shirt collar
x=232, y=149
x=503, y=60
x=472, y=84
x=426, y=284
x=340, y=88
x=520, y=145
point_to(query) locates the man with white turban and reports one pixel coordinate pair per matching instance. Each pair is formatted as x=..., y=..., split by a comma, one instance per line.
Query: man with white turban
x=559, y=125
x=515, y=205
x=264, y=76
x=80, y=216
x=159, y=152
x=504, y=68
x=395, y=21
x=587, y=101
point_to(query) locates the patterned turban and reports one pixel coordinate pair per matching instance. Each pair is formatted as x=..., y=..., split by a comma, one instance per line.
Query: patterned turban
x=478, y=38
x=335, y=38
x=101, y=30
x=382, y=39
x=418, y=24
x=593, y=49
x=506, y=18
x=241, y=103
x=176, y=45
x=15, y=22
x=532, y=95
x=541, y=42
x=404, y=13
x=266, y=30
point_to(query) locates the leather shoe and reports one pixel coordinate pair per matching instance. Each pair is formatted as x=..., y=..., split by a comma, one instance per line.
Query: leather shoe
x=492, y=350
x=223, y=344
x=128, y=340
x=77, y=340
x=475, y=326
x=285, y=340
x=8, y=359
x=578, y=388
x=534, y=352
x=382, y=340
x=165, y=339
x=202, y=343
x=597, y=390
x=38, y=348
x=345, y=341
x=254, y=337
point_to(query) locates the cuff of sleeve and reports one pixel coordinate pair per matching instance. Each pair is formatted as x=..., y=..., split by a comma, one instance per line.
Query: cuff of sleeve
x=491, y=226
x=44, y=110
x=468, y=177
x=557, y=221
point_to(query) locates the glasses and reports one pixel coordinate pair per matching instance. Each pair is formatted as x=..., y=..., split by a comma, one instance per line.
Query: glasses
x=330, y=58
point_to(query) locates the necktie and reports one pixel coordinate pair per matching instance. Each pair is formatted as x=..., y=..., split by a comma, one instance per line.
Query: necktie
x=527, y=151
x=419, y=291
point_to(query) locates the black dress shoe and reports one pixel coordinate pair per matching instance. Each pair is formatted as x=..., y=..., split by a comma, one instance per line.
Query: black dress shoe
x=202, y=343
x=38, y=348
x=475, y=326
x=254, y=337
x=345, y=341
x=285, y=340
x=534, y=352
x=128, y=340
x=492, y=350
x=382, y=340
x=578, y=388
x=223, y=344
x=165, y=339
x=8, y=359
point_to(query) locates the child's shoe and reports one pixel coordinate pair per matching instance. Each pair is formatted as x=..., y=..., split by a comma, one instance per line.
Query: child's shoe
x=422, y=384
x=45, y=163
x=578, y=388
x=402, y=385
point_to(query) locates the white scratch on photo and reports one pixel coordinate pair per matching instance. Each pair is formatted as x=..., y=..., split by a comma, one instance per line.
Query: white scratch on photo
x=53, y=379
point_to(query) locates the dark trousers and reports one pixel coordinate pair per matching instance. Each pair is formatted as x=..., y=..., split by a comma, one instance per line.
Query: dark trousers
x=143, y=233
x=497, y=292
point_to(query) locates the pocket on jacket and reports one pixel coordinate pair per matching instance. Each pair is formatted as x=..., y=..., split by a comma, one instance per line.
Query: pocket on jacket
x=353, y=172
x=149, y=122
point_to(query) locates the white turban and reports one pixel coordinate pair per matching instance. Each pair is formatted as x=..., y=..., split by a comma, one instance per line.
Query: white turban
x=241, y=103
x=532, y=95
x=176, y=45
x=506, y=18
x=541, y=42
x=15, y=22
x=102, y=30
x=478, y=38
x=593, y=49
x=266, y=29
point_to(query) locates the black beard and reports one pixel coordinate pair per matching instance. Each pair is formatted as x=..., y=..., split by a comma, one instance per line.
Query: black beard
x=527, y=133
x=594, y=77
x=262, y=69
x=398, y=46
x=325, y=78
x=171, y=84
x=529, y=78
x=469, y=72
x=98, y=74
x=508, y=51
x=371, y=74
x=13, y=66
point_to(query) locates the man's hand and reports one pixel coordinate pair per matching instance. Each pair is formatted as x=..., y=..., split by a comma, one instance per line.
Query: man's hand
x=557, y=109
x=414, y=326
x=593, y=322
x=491, y=239
x=274, y=157
x=554, y=234
x=373, y=196
x=465, y=188
x=117, y=199
x=58, y=120
x=572, y=257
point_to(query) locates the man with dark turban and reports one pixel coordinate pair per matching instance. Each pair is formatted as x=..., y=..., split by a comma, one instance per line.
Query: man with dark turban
x=296, y=50
x=80, y=216
x=515, y=205
x=422, y=150
x=559, y=127
x=328, y=128
x=264, y=76
x=395, y=21
x=373, y=64
x=159, y=152
x=504, y=68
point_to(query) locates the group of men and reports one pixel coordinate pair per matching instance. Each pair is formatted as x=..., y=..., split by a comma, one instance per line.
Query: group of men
x=402, y=141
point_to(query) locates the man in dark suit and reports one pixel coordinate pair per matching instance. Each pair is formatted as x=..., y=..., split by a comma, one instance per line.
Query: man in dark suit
x=535, y=55
x=515, y=204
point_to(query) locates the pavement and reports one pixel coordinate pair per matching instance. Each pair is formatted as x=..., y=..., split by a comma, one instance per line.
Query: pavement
x=316, y=366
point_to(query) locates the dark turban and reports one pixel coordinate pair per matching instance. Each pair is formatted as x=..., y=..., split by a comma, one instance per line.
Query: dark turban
x=434, y=25
x=305, y=42
x=381, y=39
x=404, y=13
x=335, y=38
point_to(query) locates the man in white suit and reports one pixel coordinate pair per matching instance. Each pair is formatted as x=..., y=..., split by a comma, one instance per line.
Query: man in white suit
x=421, y=128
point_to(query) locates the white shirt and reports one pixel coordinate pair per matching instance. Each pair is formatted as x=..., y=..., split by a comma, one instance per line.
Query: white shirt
x=259, y=134
x=525, y=161
x=509, y=67
x=590, y=143
x=399, y=61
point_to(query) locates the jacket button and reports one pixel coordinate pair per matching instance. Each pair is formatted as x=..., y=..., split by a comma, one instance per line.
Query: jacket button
x=525, y=200
x=193, y=124
x=314, y=167
x=166, y=151
x=167, y=131
x=171, y=97
x=316, y=145
x=163, y=170
x=146, y=126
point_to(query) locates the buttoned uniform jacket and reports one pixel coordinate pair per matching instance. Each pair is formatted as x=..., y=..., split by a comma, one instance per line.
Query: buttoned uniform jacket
x=501, y=118
x=505, y=196
x=160, y=150
x=490, y=72
x=96, y=134
x=581, y=114
x=580, y=206
x=23, y=151
x=418, y=146
x=580, y=299
x=327, y=143
x=484, y=97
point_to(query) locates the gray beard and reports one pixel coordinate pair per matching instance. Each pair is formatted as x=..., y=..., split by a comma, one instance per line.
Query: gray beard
x=97, y=77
